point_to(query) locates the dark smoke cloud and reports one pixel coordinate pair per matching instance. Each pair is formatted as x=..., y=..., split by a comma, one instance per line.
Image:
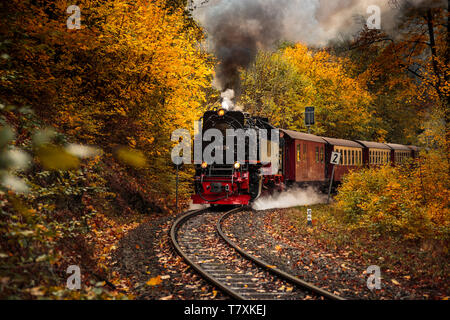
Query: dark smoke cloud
x=236, y=29
x=344, y=16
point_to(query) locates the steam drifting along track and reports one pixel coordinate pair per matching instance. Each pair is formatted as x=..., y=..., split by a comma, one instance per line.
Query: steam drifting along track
x=197, y=236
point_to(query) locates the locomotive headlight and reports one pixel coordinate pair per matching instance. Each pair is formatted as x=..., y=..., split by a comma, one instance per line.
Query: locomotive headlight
x=237, y=165
x=204, y=165
x=221, y=112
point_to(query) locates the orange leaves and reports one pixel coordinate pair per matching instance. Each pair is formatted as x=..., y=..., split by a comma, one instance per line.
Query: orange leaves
x=154, y=281
x=142, y=73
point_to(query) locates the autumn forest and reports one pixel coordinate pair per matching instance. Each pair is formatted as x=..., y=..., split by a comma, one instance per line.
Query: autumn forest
x=87, y=113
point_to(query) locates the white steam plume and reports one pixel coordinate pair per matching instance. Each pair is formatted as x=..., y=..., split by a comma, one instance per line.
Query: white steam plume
x=290, y=198
x=227, y=99
x=193, y=206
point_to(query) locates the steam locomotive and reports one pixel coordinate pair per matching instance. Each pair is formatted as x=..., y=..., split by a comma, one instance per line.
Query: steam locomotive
x=302, y=159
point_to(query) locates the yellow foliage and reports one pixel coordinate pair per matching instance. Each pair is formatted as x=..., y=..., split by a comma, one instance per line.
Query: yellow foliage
x=56, y=158
x=282, y=84
x=343, y=104
x=130, y=76
x=134, y=158
x=411, y=200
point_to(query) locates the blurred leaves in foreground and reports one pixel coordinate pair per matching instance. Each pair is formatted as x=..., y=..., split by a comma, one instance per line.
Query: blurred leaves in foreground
x=48, y=213
x=131, y=157
x=56, y=158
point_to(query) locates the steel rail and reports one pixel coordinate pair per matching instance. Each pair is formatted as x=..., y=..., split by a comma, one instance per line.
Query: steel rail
x=280, y=273
x=173, y=235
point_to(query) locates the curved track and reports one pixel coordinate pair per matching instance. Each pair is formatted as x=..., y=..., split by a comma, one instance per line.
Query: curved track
x=198, y=237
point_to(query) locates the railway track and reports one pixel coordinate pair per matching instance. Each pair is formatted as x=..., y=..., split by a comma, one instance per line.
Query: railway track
x=198, y=237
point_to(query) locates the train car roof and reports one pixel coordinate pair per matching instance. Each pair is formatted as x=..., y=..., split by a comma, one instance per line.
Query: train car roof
x=302, y=136
x=398, y=146
x=342, y=142
x=373, y=145
x=415, y=148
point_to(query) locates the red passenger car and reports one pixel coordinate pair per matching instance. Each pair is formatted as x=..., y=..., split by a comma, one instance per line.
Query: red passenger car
x=414, y=151
x=305, y=158
x=375, y=153
x=399, y=152
x=351, y=157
